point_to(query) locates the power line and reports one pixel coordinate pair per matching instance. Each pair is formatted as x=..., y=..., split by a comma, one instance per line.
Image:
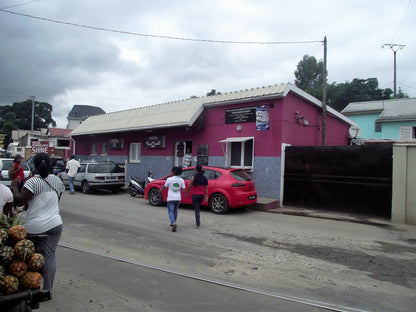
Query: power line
x=16, y=5
x=161, y=36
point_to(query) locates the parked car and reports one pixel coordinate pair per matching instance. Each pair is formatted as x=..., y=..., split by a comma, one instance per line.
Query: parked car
x=57, y=164
x=93, y=175
x=227, y=188
x=5, y=164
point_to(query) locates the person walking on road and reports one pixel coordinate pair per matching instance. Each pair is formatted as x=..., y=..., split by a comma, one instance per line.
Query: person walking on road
x=42, y=193
x=175, y=185
x=72, y=167
x=199, y=186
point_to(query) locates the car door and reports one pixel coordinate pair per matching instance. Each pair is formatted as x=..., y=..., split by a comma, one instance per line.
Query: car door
x=80, y=176
x=186, y=175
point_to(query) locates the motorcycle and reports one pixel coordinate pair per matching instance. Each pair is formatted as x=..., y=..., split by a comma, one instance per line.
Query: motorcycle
x=136, y=186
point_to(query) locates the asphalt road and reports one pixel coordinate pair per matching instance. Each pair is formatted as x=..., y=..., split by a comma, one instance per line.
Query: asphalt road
x=342, y=265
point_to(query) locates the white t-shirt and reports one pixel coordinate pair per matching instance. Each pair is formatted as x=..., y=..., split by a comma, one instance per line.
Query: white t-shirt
x=43, y=211
x=6, y=196
x=174, y=185
x=72, y=167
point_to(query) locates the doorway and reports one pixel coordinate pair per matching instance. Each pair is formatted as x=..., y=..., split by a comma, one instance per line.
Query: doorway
x=181, y=147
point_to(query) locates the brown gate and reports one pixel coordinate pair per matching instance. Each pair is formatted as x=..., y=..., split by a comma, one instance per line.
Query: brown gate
x=353, y=179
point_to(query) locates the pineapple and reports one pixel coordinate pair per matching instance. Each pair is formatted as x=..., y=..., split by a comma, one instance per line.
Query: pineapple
x=36, y=262
x=18, y=268
x=6, y=254
x=24, y=249
x=31, y=280
x=3, y=237
x=10, y=284
x=17, y=232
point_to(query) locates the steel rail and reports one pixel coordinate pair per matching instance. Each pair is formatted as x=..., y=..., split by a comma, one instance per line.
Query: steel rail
x=314, y=303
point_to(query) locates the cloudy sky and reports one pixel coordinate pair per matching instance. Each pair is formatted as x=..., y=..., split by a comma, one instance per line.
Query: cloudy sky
x=132, y=63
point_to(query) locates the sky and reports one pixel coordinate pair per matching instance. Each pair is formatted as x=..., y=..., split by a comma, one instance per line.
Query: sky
x=119, y=55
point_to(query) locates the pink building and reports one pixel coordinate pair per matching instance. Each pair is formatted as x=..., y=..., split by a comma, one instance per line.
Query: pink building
x=246, y=129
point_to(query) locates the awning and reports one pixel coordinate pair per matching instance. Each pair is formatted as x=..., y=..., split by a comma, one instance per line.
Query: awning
x=236, y=139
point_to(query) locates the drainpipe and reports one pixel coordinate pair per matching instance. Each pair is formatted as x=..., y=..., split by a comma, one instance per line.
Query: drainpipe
x=74, y=144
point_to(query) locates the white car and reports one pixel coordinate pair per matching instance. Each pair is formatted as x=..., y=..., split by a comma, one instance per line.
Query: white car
x=5, y=164
x=92, y=175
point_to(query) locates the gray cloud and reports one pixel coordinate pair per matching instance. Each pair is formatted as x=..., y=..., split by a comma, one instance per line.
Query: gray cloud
x=66, y=65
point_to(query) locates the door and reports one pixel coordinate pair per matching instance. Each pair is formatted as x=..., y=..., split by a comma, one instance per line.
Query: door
x=182, y=147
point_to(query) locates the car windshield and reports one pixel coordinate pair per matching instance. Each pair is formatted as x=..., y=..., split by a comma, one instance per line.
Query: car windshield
x=240, y=175
x=8, y=163
x=104, y=168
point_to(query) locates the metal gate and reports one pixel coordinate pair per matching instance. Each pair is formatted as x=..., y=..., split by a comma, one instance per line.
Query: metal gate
x=355, y=179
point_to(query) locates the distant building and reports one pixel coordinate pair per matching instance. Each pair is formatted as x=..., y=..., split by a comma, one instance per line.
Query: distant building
x=81, y=112
x=384, y=120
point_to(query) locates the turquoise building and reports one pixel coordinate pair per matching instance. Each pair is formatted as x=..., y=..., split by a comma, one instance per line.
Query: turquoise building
x=387, y=119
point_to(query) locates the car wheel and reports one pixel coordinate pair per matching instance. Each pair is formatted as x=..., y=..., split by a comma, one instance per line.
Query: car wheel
x=218, y=204
x=86, y=189
x=132, y=192
x=155, y=198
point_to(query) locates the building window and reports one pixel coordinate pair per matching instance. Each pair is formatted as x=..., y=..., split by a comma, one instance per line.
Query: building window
x=377, y=127
x=239, y=152
x=104, y=149
x=135, y=152
x=94, y=149
x=408, y=133
x=62, y=143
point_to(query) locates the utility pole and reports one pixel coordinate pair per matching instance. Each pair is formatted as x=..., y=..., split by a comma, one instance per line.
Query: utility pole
x=394, y=48
x=33, y=112
x=324, y=98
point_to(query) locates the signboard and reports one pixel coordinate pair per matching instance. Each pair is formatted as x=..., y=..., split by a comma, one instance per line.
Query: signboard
x=237, y=115
x=43, y=147
x=1, y=140
x=202, y=155
x=155, y=141
x=262, y=118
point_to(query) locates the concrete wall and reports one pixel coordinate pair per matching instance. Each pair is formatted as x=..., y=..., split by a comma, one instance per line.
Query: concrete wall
x=404, y=184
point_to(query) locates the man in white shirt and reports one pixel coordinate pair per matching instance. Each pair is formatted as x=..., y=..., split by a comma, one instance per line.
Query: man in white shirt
x=72, y=167
x=187, y=158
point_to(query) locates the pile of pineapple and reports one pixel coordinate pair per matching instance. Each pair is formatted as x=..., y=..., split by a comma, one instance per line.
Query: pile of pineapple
x=20, y=265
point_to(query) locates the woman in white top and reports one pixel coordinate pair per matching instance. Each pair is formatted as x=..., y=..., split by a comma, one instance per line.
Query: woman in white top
x=41, y=193
x=175, y=185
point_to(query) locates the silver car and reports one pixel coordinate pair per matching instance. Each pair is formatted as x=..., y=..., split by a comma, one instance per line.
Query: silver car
x=93, y=175
x=5, y=164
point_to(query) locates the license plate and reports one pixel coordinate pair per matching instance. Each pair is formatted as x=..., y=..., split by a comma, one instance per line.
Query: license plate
x=111, y=178
x=252, y=197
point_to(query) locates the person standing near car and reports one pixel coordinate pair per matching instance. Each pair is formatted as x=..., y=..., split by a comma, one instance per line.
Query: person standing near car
x=199, y=186
x=16, y=171
x=72, y=167
x=187, y=158
x=42, y=193
x=175, y=185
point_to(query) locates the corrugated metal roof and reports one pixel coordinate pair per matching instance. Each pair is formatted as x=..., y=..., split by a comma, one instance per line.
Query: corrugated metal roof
x=185, y=112
x=391, y=110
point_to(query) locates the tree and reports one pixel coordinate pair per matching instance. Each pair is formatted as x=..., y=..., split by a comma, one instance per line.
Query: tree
x=309, y=78
x=309, y=73
x=19, y=116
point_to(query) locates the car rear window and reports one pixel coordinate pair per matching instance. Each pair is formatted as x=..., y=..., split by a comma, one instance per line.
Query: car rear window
x=104, y=168
x=240, y=175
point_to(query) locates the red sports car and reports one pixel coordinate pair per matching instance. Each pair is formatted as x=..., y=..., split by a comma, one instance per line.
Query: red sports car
x=227, y=188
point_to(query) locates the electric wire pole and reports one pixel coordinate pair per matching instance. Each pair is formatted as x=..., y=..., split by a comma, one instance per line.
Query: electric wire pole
x=33, y=112
x=394, y=48
x=324, y=97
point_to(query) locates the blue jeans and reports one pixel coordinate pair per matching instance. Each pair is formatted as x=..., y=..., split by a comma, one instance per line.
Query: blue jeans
x=71, y=183
x=47, y=247
x=173, y=206
x=196, y=201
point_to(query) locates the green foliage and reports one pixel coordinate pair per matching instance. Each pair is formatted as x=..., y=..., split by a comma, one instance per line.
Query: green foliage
x=309, y=78
x=19, y=116
x=309, y=73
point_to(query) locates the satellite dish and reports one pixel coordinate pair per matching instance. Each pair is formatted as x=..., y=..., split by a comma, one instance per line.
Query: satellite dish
x=354, y=131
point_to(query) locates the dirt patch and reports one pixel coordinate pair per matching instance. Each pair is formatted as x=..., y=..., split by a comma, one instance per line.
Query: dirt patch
x=400, y=271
